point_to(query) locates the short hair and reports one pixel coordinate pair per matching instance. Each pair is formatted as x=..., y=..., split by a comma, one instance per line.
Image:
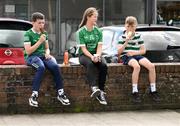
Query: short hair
x=130, y=20
x=37, y=15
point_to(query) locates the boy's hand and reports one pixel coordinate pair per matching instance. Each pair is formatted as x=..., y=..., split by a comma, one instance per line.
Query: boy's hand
x=48, y=56
x=131, y=53
x=42, y=38
x=129, y=35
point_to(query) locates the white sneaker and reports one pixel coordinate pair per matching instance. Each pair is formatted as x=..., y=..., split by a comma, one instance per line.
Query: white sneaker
x=33, y=101
x=95, y=91
x=101, y=98
x=63, y=99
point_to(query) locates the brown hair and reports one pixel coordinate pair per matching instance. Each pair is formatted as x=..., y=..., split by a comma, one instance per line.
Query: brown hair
x=130, y=20
x=37, y=15
x=88, y=13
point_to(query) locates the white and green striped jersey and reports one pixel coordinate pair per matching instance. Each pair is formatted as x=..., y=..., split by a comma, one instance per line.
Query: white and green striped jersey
x=134, y=44
x=90, y=39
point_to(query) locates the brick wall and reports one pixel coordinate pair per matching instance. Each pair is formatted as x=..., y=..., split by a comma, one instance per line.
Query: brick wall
x=16, y=81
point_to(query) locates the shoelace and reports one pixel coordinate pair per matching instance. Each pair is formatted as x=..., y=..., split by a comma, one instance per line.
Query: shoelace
x=34, y=98
x=63, y=96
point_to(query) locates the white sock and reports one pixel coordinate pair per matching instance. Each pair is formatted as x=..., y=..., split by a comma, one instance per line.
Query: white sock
x=93, y=88
x=34, y=93
x=153, y=87
x=134, y=88
x=60, y=91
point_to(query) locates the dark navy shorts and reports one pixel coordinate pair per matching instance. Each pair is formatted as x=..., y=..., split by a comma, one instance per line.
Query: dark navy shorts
x=126, y=59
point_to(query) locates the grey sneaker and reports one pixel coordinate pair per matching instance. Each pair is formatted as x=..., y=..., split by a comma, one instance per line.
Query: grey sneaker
x=95, y=91
x=33, y=101
x=63, y=99
x=101, y=98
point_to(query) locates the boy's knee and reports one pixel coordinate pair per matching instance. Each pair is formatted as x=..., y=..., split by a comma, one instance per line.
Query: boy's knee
x=136, y=67
x=55, y=66
x=151, y=66
x=41, y=68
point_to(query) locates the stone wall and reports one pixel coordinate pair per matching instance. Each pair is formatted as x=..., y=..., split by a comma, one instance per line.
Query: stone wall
x=16, y=83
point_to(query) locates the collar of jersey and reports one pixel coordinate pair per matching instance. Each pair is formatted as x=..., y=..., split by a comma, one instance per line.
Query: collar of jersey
x=34, y=31
x=125, y=34
x=87, y=29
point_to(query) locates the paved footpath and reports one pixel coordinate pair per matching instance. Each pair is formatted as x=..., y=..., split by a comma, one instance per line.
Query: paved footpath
x=124, y=118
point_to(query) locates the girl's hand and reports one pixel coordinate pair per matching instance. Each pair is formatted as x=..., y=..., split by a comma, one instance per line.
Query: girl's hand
x=96, y=58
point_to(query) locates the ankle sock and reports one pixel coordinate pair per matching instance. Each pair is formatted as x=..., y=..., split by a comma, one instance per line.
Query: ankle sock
x=134, y=88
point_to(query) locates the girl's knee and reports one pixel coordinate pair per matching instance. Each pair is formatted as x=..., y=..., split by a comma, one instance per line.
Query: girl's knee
x=104, y=66
x=90, y=65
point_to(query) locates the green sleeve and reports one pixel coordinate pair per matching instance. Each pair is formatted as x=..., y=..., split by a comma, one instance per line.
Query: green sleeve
x=46, y=35
x=100, y=36
x=80, y=38
x=26, y=37
x=141, y=41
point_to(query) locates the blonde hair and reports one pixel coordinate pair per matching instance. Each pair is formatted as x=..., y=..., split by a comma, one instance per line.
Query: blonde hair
x=88, y=13
x=130, y=20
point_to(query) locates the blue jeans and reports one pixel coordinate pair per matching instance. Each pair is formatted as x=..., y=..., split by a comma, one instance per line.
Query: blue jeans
x=40, y=64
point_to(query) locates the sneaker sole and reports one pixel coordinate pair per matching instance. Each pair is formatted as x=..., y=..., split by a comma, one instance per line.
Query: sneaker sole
x=63, y=103
x=103, y=103
x=33, y=105
x=95, y=94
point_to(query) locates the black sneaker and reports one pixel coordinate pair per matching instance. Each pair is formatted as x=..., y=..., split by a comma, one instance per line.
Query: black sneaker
x=155, y=96
x=33, y=101
x=136, y=97
x=95, y=91
x=63, y=99
x=101, y=98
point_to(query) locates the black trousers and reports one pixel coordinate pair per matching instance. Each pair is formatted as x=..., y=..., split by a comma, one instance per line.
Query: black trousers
x=96, y=72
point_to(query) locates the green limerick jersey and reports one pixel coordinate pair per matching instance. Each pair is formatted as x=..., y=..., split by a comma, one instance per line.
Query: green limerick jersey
x=31, y=37
x=133, y=45
x=90, y=39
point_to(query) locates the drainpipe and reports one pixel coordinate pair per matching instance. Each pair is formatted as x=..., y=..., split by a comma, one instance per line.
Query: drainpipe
x=104, y=13
x=58, y=28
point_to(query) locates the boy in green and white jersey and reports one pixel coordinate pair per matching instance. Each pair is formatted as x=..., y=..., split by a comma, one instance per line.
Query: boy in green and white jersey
x=37, y=55
x=131, y=48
